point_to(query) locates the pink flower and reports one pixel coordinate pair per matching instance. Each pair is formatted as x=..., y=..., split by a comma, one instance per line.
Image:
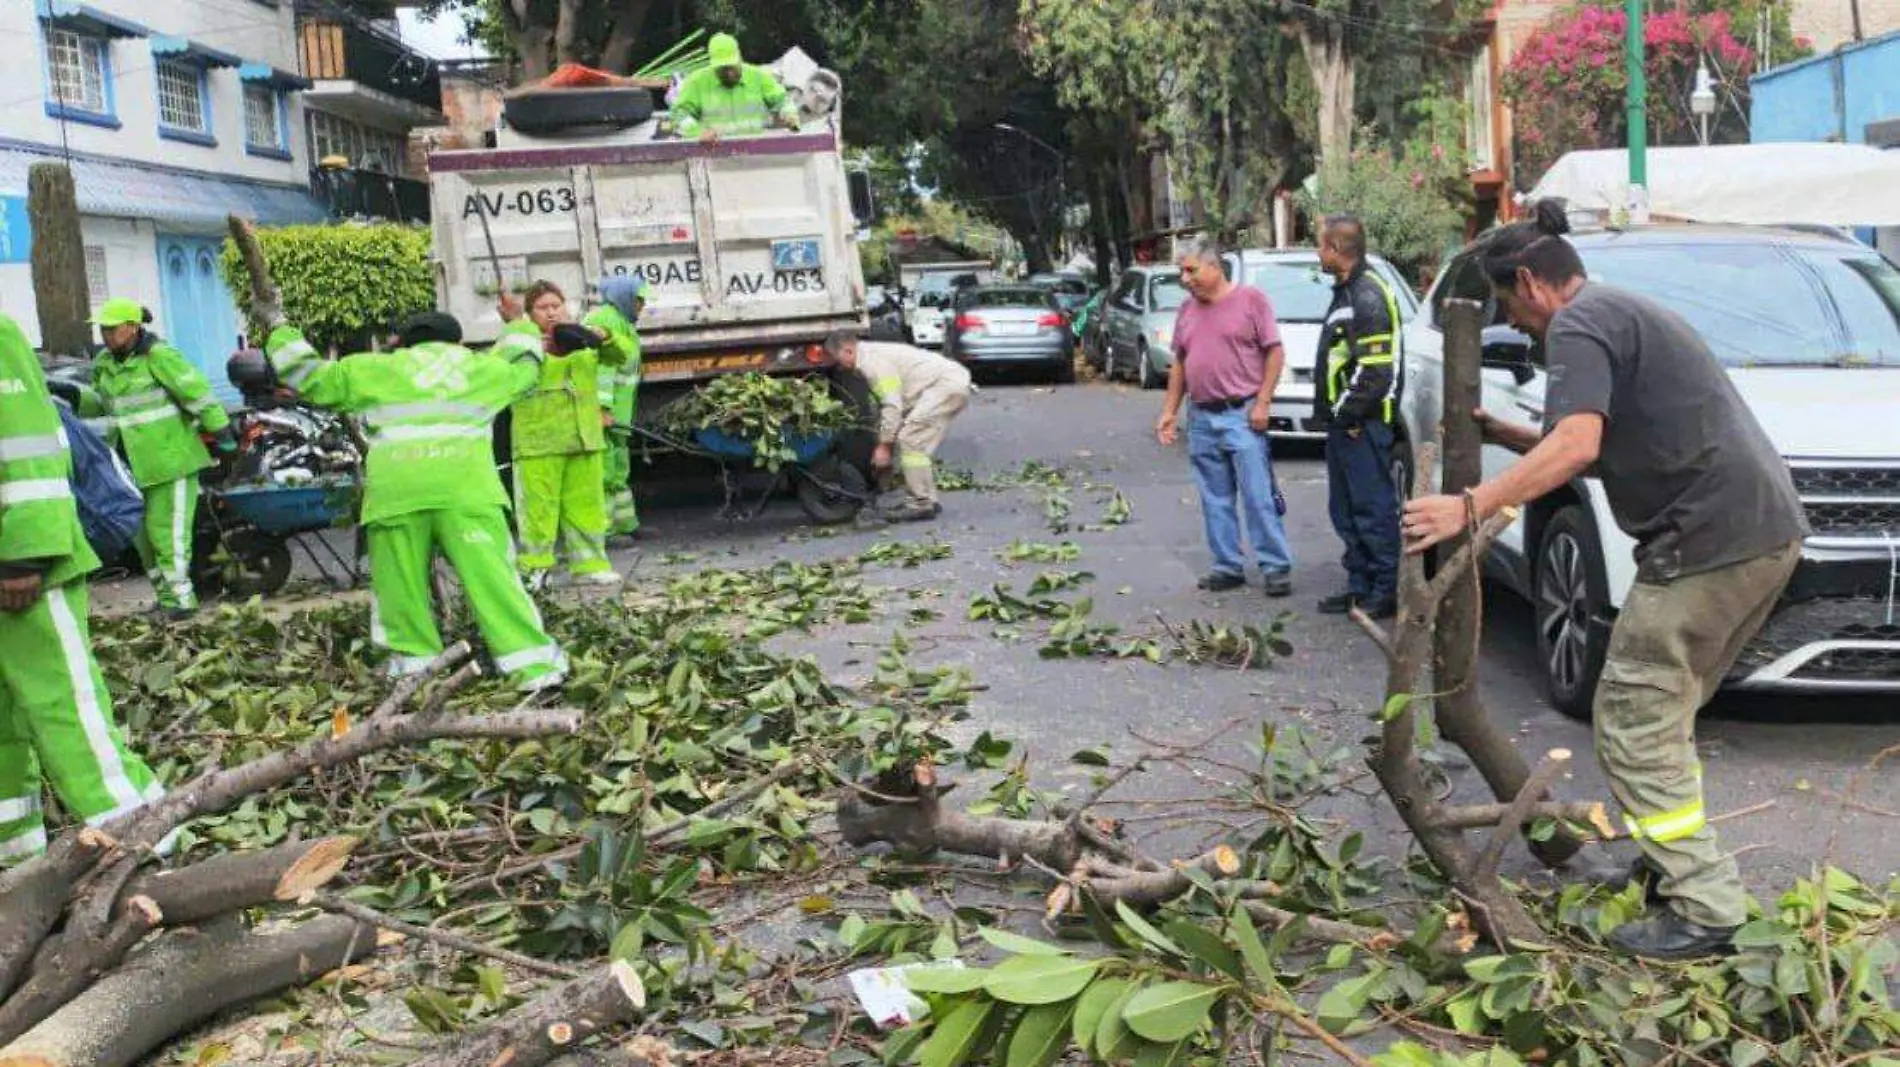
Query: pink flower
x=1418, y=179
x=1438, y=151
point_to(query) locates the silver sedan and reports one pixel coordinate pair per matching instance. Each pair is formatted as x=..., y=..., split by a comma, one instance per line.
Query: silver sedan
x=1011, y=327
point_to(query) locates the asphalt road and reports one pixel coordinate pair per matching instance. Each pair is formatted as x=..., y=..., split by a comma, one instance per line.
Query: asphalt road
x=1786, y=761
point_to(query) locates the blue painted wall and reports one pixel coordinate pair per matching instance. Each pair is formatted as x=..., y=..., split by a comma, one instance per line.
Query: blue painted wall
x=1828, y=98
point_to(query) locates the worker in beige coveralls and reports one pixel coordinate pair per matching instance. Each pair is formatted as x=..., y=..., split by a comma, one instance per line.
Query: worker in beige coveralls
x=918, y=393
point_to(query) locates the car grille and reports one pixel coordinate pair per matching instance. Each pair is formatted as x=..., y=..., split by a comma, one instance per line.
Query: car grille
x=1854, y=501
x=1839, y=618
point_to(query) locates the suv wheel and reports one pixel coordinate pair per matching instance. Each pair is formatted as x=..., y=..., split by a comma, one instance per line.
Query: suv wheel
x=1569, y=594
x=1149, y=378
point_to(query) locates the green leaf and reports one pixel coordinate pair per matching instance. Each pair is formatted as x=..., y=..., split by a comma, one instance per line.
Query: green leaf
x=1091, y=1005
x=1170, y=1011
x=1206, y=947
x=629, y=941
x=1172, y=1054
x=1395, y=706
x=1253, y=950
x=1155, y=938
x=954, y=1038
x=1467, y=1017
x=944, y=979
x=1041, y=1036
x=1113, y=1040
x=1040, y=979
x=1018, y=944
x=1341, y=1004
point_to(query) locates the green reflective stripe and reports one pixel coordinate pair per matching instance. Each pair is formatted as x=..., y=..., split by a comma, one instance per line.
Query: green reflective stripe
x=143, y=418
x=13, y=809
x=1375, y=361
x=32, y=489
x=888, y=387
x=915, y=459
x=514, y=347
x=1375, y=338
x=1670, y=825
x=427, y=432
x=32, y=446
x=139, y=401
x=426, y=409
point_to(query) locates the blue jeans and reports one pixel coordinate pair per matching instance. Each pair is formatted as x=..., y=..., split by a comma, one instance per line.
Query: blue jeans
x=1365, y=509
x=1234, y=471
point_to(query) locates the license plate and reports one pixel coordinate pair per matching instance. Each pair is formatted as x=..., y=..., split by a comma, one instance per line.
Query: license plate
x=1013, y=329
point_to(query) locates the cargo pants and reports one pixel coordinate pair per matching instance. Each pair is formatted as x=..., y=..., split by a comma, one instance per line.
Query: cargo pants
x=164, y=542
x=562, y=497
x=56, y=716
x=617, y=468
x=1672, y=645
x=924, y=428
x=477, y=544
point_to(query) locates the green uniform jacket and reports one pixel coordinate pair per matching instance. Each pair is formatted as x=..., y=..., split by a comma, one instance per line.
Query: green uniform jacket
x=428, y=412
x=705, y=103
x=561, y=417
x=623, y=342
x=39, y=523
x=158, y=403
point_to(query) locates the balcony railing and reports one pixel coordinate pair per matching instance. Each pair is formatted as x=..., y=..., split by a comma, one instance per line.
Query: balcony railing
x=351, y=193
x=336, y=49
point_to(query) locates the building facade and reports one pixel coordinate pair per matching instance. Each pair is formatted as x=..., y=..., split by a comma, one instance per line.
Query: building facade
x=171, y=116
x=368, y=93
x=1828, y=24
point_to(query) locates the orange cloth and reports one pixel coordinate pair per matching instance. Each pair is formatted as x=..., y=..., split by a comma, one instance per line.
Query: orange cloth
x=573, y=75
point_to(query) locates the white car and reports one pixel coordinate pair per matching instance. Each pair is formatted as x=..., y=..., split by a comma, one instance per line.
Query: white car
x=1808, y=326
x=927, y=316
x=1301, y=293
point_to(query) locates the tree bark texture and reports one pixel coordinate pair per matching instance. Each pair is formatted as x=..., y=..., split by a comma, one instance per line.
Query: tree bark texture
x=630, y=17
x=241, y=880
x=58, y=258
x=32, y=896
x=1324, y=42
x=1462, y=717
x=73, y=964
x=182, y=979
x=551, y=1025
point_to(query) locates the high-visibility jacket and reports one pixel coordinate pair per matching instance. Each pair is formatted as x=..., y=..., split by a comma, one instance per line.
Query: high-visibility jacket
x=623, y=343
x=1356, y=371
x=158, y=403
x=900, y=375
x=39, y=522
x=705, y=103
x=428, y=412
x=561, y=417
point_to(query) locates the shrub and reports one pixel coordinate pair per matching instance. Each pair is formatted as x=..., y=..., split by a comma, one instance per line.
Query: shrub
x=1408, y=198
x=341, y=280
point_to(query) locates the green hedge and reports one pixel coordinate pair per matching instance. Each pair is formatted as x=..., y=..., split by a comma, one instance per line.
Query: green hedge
x=338, y=280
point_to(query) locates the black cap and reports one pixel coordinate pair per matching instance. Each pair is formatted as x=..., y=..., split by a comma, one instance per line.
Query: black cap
x=430, y=326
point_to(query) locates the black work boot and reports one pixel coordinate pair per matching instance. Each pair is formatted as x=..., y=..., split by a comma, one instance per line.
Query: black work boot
x=1337, y=604
x=1379, y=607
x=915, y=511
x=1277, y=584
x=1664, y=935
x=1220, y=582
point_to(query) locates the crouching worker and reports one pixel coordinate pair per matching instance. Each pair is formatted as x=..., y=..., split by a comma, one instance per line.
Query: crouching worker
x=918, y=393
x=428, y=409
x=55, y=714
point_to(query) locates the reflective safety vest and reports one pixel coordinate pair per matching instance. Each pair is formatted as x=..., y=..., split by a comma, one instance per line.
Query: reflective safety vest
x=617, y=390
x=705, y=103
x=39, y=521
x=428, y=412
x=561, y=417
x=158, y=403
x=1361, y=346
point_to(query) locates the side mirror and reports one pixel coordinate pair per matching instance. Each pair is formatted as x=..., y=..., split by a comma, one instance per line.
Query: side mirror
x=1507, y=349
x=863, y=204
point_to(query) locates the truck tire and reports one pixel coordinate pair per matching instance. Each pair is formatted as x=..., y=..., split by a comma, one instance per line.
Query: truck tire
x=553, y=110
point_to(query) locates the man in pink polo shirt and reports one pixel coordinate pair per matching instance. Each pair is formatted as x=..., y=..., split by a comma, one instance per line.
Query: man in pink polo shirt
x=1227, y=361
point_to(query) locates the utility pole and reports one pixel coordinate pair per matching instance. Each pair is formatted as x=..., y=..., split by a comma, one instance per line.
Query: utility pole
x=1637, y=108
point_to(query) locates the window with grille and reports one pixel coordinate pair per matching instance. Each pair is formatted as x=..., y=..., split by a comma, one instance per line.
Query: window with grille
x=263, y=126
x=364, y=148
x=97, y=286
x=181, y=100
x=1478, y=140
x=77, y=68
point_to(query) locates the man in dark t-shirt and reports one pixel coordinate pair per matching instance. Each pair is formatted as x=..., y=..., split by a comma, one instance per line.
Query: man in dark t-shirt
x=1637, y=398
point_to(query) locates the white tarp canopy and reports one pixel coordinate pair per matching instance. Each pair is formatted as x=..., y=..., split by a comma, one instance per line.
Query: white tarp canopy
x=1793, y=183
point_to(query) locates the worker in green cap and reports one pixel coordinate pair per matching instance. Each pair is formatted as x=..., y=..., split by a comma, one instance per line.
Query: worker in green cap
x=159, y=403
x=729, y=98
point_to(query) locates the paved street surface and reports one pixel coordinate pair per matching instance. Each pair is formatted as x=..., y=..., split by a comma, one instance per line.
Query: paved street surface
x=1794, y=755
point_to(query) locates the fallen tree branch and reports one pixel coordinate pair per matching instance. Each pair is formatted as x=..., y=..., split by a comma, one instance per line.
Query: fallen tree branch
x=72, y=966
x=549, y=1025
x=332, y=903
x=240, y=880
x=35, y=893
x=1480, y=816
x=1535, y=787
x=409, y=685
x=184, y=978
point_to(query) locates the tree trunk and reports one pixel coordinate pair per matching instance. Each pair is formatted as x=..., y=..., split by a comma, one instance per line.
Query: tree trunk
x=1462, y=717
x=630, y=17
x=35, y=894
x=184, y=978
x=59, y=259
x=1335, y=75
x=550, y=1025
x=73, y=964
x=567, y=32
x=533, y=39
x=1100, y=228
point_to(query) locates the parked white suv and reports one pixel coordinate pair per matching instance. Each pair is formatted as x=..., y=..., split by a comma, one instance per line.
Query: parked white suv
x=1808, y=326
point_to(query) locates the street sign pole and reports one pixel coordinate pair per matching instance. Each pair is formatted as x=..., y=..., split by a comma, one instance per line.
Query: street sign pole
x=1636, y=103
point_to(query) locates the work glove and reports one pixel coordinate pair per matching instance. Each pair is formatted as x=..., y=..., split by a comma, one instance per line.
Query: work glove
x=572, y=337
x=227, y=442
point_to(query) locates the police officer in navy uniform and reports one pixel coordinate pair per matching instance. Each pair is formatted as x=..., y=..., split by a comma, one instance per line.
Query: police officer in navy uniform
x=1356, y=386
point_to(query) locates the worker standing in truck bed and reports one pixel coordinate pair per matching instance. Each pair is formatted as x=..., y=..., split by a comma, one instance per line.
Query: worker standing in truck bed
x=730, y=98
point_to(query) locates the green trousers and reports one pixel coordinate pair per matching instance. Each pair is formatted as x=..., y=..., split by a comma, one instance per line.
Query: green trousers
x=564, y=497
x=1672, y=645
x=164, y=544
x=56, y=716
x=622, y=516
x=476, y=543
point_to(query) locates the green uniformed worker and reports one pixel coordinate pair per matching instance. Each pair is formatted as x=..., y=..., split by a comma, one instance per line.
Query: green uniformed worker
x=729, y=97
x=55, y=713
x=159, y=403
x=624, y=297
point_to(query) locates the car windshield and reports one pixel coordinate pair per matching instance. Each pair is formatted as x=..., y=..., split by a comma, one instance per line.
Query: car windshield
x=1032, y=299
x=1166, y=293
x=1768, y=305
x=1298, y=289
